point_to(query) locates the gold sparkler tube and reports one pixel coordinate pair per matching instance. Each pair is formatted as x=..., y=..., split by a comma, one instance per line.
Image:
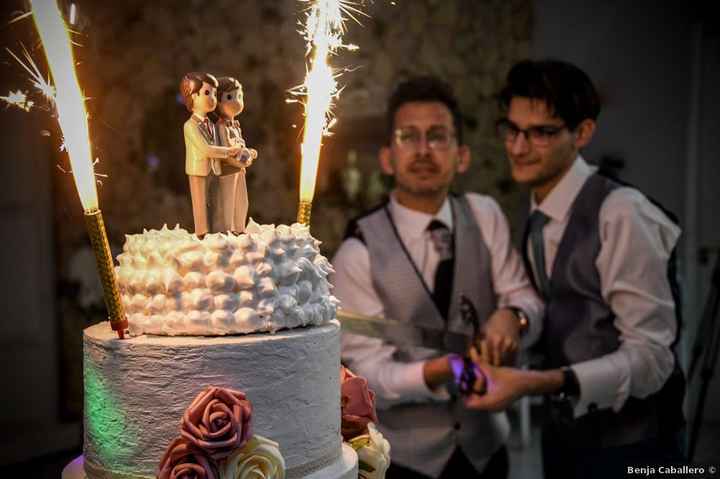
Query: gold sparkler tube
x=304, y=209
x=98, y=238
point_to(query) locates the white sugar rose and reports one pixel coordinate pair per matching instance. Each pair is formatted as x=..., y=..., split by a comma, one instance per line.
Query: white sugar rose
x=260, y=458
x=373, y=452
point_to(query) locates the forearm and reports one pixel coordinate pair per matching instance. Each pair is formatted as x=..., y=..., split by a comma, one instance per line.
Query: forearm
x=536, y=383
x=437, y=372
x=204, y=148
x=212, y=151
x=393, y=382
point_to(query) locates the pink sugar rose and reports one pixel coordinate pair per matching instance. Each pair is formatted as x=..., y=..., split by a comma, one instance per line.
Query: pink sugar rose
x=218, y=421
x=357, y=404
x=183, y=460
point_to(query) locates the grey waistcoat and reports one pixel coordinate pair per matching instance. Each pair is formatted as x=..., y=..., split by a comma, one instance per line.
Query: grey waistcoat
x=424, y=435
x=580, y=326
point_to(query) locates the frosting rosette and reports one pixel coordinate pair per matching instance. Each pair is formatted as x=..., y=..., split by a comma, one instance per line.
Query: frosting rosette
x=373, y=452
x=184, y=460
x=218, y=421
x=357, y=404
x=260, y=458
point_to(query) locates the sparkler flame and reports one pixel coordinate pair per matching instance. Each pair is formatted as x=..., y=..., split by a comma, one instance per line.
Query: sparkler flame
x=324, y=27
x=69, y=100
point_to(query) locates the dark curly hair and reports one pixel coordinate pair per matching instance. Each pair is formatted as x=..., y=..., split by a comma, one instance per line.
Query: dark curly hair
x=567, y=91
x=424, y=89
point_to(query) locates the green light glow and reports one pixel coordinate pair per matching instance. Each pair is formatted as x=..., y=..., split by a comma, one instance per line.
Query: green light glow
x=103, y=419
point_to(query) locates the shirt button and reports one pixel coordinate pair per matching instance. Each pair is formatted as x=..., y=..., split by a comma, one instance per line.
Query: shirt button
x=456, y=426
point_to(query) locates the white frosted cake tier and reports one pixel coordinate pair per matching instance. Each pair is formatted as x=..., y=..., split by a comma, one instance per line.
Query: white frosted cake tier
x=137, y=389
x=269, y=278
x=346, y=467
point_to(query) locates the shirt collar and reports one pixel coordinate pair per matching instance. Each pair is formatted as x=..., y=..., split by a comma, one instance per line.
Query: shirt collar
x=413, y=224
x=557, y=204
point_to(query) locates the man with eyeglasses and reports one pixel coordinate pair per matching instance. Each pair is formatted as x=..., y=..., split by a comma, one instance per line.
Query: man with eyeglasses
x=424, y=257
x=602, y=256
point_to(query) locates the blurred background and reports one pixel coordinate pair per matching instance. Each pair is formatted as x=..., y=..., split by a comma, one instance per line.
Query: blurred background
x=656, y=65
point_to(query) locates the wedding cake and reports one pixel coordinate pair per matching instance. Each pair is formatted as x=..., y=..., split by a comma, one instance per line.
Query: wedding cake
x=188, y=301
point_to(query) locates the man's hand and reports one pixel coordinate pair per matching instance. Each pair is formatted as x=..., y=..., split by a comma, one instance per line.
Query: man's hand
x=502, y=387
x=505, y=385
x=499, y=339
x=243, y=158
x=235, y=150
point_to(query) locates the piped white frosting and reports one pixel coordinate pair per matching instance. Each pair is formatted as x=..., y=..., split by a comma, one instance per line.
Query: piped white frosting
x=269, y=278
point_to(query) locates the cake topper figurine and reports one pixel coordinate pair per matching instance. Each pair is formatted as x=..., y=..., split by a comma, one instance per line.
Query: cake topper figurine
x=203, y=154
x=231, y=212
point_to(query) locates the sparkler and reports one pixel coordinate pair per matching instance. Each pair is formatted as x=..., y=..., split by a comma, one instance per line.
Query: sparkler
x=72, y=117
x=324, y=27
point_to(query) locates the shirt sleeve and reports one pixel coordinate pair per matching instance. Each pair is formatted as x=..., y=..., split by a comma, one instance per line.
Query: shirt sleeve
x=510, y=281
x=394, y=382
x=637, y=240
x=192, y=132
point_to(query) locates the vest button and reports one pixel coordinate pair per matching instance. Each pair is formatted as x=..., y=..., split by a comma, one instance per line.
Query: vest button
x=456, y=426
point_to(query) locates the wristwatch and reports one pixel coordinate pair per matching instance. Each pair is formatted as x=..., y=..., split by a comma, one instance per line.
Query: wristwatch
x=571, y=386
x=522, y=319
x=562, y=402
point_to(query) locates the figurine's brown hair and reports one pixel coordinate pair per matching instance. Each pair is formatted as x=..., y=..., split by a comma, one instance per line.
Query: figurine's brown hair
x=225, y=85
x=191, y=83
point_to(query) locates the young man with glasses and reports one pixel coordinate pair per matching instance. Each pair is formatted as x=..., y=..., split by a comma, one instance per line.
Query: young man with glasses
x=423, y=257
x=602, y=256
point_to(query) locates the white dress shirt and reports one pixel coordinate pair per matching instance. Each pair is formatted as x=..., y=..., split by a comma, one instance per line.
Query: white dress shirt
x=636, y=240
x=397, y=382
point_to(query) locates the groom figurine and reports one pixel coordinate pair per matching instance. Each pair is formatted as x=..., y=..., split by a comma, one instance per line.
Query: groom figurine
x=203, y=154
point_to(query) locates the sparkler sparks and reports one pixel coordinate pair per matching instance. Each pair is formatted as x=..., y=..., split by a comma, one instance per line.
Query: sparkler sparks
x=18, y=99
x=36, y=78
x=324, y=28
x=43, y=86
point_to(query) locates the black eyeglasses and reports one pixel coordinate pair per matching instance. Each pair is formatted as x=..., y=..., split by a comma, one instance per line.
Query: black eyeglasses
x=437, y=138
x=539, y=135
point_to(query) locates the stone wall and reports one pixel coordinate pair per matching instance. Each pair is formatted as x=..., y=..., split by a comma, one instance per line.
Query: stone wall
x=135, y=53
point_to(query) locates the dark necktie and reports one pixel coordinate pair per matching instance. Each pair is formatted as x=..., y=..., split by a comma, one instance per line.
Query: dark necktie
x=442, y=240
x=536, y=223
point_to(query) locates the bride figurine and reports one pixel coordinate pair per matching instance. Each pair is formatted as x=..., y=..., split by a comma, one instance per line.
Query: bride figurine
x=231, y=213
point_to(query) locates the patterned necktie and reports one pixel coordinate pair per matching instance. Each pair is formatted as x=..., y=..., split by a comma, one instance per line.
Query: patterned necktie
x=208, y=130
x=442, y=240
x=536, y=223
